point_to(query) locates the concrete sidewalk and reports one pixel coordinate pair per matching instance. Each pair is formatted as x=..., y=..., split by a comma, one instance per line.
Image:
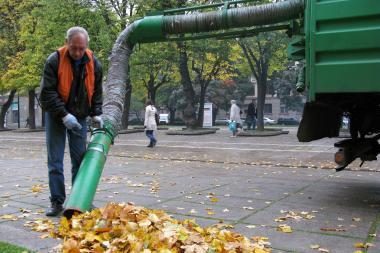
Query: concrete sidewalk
x=255, y=181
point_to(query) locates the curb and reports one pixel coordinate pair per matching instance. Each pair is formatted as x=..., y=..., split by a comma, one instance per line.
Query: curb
x=262, y=133
x=191, y=132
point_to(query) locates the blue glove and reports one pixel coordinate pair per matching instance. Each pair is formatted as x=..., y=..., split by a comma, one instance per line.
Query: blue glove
x=98, y=121
x=71, y=122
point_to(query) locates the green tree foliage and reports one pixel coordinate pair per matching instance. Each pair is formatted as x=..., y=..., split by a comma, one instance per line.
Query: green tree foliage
x=10, y=46
x=36, y=28
x=126, y=11
x=152, y=66
x=210, y=61
x=264, y=53
x=283, y=84
x=222, y=92
x=42, y=31
x=171, y=96
x=10, y=43
x=119, y=13
x=137, y=107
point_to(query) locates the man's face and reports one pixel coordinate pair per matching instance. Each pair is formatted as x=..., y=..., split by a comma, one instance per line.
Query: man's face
x=77, y=46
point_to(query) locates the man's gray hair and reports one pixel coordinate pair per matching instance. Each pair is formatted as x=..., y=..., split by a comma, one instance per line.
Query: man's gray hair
x=75, y=30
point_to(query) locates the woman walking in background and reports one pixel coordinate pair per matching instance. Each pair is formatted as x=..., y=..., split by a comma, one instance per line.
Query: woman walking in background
x=150, y=123
x=235, y=117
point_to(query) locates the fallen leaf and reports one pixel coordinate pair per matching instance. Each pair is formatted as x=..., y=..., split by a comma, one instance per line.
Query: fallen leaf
x=284, y=228
x=214, y=199
x=359, y=245
x=44, y=236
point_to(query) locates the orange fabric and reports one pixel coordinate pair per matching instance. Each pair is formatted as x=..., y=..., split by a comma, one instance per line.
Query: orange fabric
x=65, y=74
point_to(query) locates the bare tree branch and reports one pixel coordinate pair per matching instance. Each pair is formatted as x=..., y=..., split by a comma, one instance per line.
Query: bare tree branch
x=250, y=63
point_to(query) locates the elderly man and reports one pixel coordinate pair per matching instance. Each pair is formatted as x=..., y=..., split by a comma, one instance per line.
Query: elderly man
x=71, y=90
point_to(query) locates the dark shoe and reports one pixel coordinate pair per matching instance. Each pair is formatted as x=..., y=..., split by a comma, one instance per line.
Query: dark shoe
x=55, y=210
x=154, y=143
x=150, y=145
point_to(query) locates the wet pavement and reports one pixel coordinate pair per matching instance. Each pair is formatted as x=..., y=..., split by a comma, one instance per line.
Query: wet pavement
x=253, y=183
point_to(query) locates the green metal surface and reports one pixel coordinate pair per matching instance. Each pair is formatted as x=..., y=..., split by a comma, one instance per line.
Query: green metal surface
x=229, y=34
x=296, y=48
x=148, y=29
x=222, y=23
x=202, y=7
x=343, y=54
x=90, y=171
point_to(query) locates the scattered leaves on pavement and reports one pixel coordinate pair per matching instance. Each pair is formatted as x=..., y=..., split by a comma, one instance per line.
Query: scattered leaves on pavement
x=294, y=215
x=40, y=225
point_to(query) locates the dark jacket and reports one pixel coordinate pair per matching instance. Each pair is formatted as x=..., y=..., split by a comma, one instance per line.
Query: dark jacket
x=251, y=112
x=77, y=104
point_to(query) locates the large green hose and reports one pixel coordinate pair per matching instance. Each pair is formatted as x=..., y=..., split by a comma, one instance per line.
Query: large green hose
x=233, y=18
x=90, y=171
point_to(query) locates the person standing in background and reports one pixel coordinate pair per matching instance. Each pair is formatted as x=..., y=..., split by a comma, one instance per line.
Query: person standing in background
x=150, y=124
x=251, y=116
x=235, y=116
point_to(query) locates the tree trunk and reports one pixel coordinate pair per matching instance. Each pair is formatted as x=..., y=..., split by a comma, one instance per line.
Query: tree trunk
x=42, y=117
x=172, y=115
x=5, y=108
x=42, y=111
x=153, y=96
x=201, y=105
x=31, y=119
x=215, y=111
x=152, y=92
x=261, y=91
x=127, y=103
x=188, y=90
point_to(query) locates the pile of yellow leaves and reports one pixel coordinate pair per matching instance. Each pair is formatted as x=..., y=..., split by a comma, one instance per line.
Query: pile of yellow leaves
x=129, y=228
